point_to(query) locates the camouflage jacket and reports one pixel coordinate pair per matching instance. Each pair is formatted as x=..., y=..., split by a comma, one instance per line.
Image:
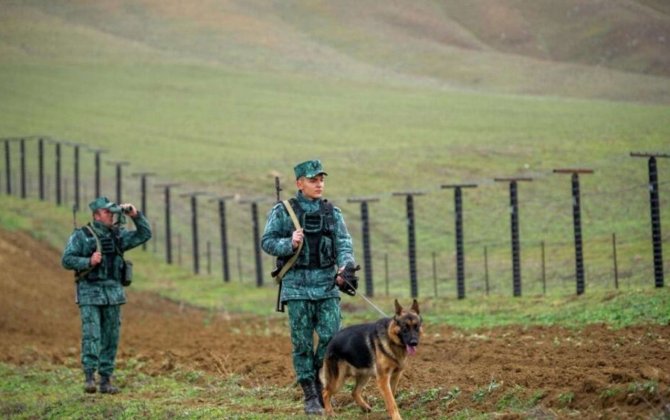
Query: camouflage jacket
x=303, y=283
x=102, y=286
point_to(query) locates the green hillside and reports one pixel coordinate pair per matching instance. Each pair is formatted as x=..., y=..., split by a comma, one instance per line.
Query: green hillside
x=572, y=48
x=223, y=96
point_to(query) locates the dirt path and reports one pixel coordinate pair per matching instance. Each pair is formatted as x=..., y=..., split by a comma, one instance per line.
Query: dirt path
x=595, y=371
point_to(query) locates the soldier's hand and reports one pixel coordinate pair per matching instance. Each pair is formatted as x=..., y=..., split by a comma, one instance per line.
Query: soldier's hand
x=297, y=238
x=129, y=209
x=96, y=258
x=346, y=278
x=338, y=278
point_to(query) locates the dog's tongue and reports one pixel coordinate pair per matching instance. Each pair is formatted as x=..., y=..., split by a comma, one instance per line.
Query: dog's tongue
x=411, y=350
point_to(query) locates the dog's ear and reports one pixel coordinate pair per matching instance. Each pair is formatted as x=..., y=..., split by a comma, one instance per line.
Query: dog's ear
x=415, y=307
x=398, y=308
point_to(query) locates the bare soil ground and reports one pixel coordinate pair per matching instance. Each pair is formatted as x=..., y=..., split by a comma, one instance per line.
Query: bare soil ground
x=593, y=372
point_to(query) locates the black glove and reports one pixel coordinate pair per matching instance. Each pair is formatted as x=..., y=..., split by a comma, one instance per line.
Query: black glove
x=350, y=279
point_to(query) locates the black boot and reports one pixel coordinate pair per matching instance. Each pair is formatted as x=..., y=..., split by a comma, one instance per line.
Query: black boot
x=106, y=386
x=319, y=389
x=89, y=385
x=312, y=404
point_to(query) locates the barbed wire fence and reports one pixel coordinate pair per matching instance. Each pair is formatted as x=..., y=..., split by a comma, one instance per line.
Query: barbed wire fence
x=436, y=264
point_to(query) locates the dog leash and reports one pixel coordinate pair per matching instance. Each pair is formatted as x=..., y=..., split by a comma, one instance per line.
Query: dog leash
x=368, y=300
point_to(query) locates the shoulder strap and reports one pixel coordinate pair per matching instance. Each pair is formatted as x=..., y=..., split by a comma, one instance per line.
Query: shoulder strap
x=97, y=240
x=295, y=206
x=90, y=230
x=294, y=257
x=291, y=213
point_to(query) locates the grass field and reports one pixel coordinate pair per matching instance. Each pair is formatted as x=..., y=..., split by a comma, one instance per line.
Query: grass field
x=46, y=384
x=222, y=98
x=619, y=308
x=231, y=133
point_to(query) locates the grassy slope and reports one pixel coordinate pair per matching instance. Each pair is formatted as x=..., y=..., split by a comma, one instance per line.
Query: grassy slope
x=625, y=307
x=168, y=88
x=222, y=107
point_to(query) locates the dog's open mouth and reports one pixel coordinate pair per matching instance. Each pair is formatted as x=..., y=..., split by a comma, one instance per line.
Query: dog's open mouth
x=411, y=350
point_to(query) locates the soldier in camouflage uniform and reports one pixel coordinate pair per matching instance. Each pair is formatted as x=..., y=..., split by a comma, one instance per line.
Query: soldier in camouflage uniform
x=308, y=287
x=99, y=290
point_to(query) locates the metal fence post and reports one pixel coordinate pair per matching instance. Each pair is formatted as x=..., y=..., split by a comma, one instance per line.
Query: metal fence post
x=40, y=167
x=655, y=208
x=256, y=240
x=514, y=229
x=544, y=271
x=486, y=270
x=460, y=254
x=143, y=195
x=77, y=191
x=119, y=178
x=257, y=244
x=22, y=149
x=8, y=167
x=367, y=254
x=97, y=153
x=59, y=198
x=225, y=266
x=411, y=240
x=194, y=229
x=168, y=227
x=577, y=224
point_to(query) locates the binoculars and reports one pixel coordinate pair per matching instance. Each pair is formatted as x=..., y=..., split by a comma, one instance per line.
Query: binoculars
x=127, y=208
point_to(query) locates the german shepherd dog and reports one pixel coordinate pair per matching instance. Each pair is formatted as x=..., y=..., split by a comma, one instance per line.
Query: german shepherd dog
x=378, y=349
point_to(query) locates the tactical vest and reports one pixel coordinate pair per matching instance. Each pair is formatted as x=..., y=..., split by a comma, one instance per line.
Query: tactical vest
x=111, y=247
x=319, y=230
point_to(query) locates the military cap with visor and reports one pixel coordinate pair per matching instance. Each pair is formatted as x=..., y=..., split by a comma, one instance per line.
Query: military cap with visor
x=101, y=203
x=309, y=169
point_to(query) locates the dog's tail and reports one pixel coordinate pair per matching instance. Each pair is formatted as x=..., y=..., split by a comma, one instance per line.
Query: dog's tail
x=330, y=369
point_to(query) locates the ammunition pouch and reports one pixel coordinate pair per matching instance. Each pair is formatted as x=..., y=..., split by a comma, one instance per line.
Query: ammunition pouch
x=319, y=228
x=109, y=247
x=127, y=273
x=108, y=251
x=312, y=223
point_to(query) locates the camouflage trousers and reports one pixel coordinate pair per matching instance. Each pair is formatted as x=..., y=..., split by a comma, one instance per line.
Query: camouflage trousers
x=305, y=318
x=100, y=327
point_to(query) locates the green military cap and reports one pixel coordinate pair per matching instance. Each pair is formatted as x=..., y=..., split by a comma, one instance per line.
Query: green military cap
x=104, y=203
x=309, y=169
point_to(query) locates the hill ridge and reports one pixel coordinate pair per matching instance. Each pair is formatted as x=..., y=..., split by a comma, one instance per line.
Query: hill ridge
x=521, y=47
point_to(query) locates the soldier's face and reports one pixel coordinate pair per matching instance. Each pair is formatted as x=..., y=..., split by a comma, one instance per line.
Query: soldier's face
x=311, y=188
x=104, y=216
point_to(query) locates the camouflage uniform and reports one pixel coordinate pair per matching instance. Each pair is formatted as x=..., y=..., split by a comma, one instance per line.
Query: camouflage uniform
x=313, y=302
x=99, y=292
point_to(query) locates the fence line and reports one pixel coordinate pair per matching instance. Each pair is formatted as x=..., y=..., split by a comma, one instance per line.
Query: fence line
x=32, y=169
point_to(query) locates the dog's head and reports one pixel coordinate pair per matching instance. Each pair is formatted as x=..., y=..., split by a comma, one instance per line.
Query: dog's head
x=407, y=326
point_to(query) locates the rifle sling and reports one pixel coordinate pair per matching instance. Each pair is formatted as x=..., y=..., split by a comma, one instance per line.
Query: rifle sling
x=82, y=274
x=294, y=257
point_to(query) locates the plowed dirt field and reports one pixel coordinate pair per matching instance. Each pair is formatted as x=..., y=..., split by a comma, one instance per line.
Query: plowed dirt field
x=593, y=372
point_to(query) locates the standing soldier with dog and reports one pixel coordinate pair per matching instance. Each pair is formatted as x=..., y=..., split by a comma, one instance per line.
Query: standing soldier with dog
x=312, y=231
x=95, y=253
